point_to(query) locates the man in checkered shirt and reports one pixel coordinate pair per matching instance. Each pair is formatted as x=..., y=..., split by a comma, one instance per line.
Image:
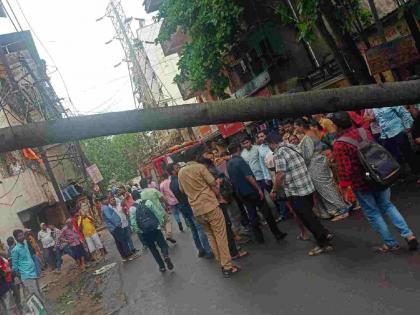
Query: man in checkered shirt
x=292, y=174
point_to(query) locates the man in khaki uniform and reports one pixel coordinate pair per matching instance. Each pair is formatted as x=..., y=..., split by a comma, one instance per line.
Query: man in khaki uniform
x=201, y=188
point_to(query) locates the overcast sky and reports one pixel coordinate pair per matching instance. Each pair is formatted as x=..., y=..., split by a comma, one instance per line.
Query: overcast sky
x=69, y=30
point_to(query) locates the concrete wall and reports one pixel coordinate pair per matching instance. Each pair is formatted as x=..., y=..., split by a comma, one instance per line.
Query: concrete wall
x=19, y=193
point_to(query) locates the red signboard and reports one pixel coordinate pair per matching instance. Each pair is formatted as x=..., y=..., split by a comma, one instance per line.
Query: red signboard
x=226, y=130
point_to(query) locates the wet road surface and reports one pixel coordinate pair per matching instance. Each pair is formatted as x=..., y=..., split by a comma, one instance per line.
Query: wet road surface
x=279, y=278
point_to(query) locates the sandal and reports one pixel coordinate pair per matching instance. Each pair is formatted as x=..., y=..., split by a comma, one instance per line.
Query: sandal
x=227, y=273
x=412, y=243
x=320, y=250
x=240, y=255
x=383, y=249
x=340, y=217
x=301, y=238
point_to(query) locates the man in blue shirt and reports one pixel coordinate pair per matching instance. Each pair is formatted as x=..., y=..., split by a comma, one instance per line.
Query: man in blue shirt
x=251, y=194
x=114, y=225
x=396, y=122
x=23, y=264
x=264, y=150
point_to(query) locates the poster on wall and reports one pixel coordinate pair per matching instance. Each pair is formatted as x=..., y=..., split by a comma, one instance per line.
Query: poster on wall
x=94, y=173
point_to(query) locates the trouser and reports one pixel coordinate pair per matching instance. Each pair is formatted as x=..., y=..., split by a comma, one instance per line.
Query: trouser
x=200, y=239
x=6, y=303
x=151, y=239
x=49, y=255
x=31, y=286
x=302, y=206
x=16, y=292
x=167, y=226
x=214, y=224
x=130, y=244
x=177, y=214
x=121, y=241
x=252, y=202
x=400, y=147
x=374, y=206
x=233, y=250
x=282, y=207
x=242, y=210
x=37, y=263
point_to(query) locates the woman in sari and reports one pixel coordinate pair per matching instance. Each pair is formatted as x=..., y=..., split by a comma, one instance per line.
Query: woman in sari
x=329, y=201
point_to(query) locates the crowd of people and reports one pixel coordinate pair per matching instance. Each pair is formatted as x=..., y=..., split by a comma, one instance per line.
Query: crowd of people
x=28, y=257
x=309, y=169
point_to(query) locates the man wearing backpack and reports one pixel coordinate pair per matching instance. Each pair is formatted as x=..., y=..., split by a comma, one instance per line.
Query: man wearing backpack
x=374, y=201
x=145, y=220
x=159, y=202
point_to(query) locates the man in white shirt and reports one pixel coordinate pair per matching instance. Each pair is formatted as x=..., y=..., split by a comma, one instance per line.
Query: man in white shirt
x=251, y=155
x=48, y=245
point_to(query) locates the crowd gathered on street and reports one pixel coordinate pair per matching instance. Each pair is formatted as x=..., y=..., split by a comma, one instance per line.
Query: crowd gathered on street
x=314, y=168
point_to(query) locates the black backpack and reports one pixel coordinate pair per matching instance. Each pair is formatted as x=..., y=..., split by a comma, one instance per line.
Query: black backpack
x=145, y=218
x=380, y=169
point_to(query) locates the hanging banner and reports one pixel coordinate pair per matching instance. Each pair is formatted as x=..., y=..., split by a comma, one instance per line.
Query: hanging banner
x=226, y=130
x=94, y=173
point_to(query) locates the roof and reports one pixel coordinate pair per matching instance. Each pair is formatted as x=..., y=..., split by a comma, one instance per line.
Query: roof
x=18, y=41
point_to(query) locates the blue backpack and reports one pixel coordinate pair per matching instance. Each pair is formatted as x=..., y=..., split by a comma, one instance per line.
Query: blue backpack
x=146, y=220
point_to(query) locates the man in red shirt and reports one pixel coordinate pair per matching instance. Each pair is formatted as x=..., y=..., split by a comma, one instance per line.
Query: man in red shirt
x=6, y=299
x=374, y=203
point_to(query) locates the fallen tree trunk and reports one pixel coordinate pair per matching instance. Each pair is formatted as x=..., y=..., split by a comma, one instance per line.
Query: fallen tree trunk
x=232, y=110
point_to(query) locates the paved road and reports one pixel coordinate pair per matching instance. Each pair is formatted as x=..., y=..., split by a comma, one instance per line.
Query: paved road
x=280, y=278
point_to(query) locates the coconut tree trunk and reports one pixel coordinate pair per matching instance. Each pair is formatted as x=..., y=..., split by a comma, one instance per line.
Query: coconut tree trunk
x=348, y=46
x=329, y=39
x=228, y=111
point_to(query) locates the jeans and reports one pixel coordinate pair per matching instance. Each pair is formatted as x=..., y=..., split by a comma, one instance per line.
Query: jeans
x=129, y=240
x=400, y=147
x=121, y=241
x=374, y=206
x=199, y=236
x=252, y=202
x=177, y=214
x=150, y=239
x=302, y=206
x=59, y=252
x=283, y=211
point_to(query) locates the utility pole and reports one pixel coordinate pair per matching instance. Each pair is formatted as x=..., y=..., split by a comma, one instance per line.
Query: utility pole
x=149, y=91
x=54, y=182
x=25, y=103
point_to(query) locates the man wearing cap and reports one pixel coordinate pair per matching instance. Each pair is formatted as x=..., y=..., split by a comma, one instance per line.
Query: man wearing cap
x=48, y=244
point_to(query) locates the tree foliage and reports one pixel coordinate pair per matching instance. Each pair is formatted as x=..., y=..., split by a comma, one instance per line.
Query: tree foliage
x=347, y=11
x=211, y=25
x=117, y=157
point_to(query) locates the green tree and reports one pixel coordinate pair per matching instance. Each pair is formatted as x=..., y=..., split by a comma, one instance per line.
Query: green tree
x=336, y=20
x=117, y=157
x=211, y=25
